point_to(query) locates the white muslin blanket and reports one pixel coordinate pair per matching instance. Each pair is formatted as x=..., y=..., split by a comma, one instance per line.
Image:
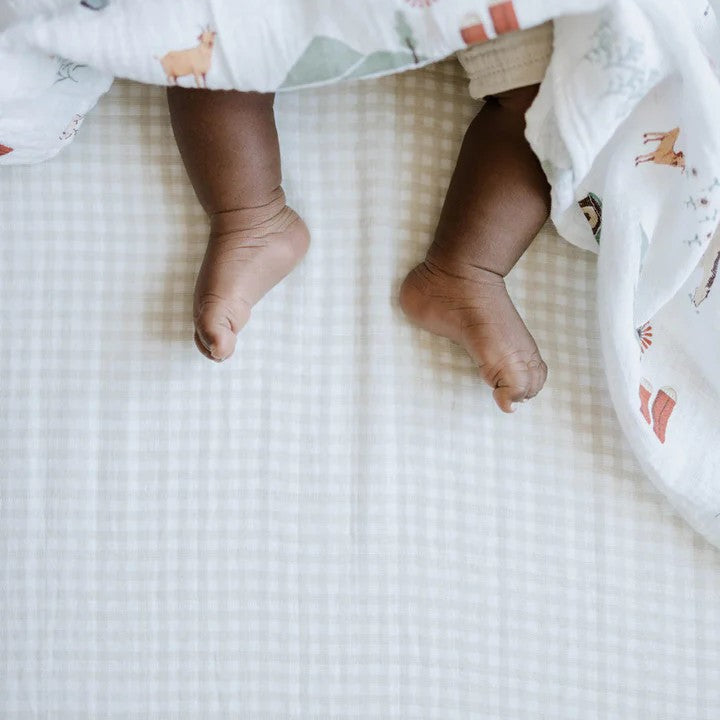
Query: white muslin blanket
x=625, y=125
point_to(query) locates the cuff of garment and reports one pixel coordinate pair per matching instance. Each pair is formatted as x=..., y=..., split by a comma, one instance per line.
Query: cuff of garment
x=508, y=61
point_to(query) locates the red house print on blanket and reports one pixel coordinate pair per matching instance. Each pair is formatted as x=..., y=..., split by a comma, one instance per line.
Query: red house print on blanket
x=4, y=150
x=661, y=410
x=503, y=18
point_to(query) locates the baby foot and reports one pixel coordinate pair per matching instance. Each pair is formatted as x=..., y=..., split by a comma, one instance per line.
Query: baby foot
x=250, y=250
x=471, y=307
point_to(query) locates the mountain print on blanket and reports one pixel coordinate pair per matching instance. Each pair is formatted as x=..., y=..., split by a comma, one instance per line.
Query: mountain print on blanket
x=327, y=59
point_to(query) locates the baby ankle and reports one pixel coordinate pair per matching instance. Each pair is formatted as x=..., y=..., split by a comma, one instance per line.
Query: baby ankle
x=464, y=267
x=273, y=216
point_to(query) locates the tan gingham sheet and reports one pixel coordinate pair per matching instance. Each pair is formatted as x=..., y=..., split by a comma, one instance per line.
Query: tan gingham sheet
x=338, y=523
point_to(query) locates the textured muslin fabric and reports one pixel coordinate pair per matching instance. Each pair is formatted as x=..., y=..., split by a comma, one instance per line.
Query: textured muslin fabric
x=508, y=61
x=338, y=523
x=624, y=125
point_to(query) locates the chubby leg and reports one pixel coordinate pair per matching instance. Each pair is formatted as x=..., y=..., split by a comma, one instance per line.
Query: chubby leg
x=229, y=145
x=497, y=202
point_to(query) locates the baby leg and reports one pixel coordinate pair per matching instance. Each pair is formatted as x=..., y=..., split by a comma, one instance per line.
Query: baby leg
x=497, y=202
x=229, y=145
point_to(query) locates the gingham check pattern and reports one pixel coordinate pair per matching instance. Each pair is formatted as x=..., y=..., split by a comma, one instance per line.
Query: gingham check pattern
x=337, y=523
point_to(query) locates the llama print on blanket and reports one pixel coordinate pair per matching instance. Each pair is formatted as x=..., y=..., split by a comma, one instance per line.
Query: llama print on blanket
x=662, y=408
x=710, y=265
x=194, y=61
x=5, y=150
x=665, y=153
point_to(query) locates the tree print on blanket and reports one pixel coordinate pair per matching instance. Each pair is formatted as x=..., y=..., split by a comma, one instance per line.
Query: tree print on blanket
x=704, y=201
x=622, y=58
x=709, y=266
x=67, y=70
x=403, y=29
x=327, y=59
x=5, y=150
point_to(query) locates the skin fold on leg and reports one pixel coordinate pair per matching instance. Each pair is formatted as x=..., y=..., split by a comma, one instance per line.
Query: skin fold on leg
x=497, y=202
x=229, y=145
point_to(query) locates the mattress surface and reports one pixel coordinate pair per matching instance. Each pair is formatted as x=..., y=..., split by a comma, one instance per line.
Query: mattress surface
x=337, y=522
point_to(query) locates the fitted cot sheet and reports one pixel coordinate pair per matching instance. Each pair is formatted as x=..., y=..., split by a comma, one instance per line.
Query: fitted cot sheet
x=337, y=523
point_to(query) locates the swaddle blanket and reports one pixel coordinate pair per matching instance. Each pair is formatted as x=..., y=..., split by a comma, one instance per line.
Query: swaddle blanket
x=625, y=126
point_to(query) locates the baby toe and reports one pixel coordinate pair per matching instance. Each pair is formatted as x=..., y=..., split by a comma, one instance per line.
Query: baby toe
x=512, y=382
x=216, y=330
x=219, y=342
x=539, y=373
x=508, y=396
x=215, y=343
x=200, y=344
